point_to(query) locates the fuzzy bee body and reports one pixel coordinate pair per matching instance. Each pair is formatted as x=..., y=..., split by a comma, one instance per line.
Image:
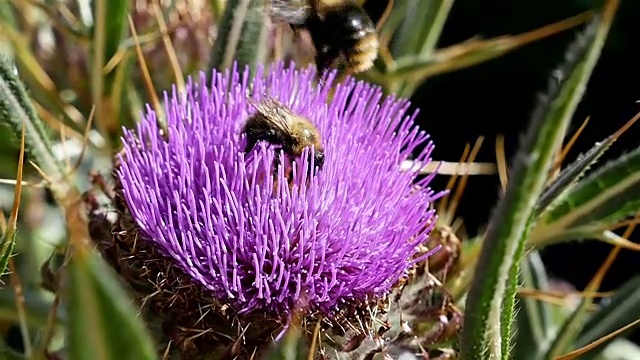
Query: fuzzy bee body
x=276, y=124
x=338, y=29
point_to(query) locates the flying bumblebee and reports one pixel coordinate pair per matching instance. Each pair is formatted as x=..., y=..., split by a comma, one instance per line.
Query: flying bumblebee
x=339, y=29
x=276, y=124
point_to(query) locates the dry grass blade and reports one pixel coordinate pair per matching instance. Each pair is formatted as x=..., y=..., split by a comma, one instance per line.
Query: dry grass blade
x=24, y=184
x=558, y=301
x=115, y=60
x=448, y=215
x=85, y=142
x=476, y=51
x=560, y=297
x=314, y=342
x=53, y=122
x=501, y=160
x=606, y=265
x=385, y=15
x=619, y=241
x=565, y=150
x=534, y=293
x=3, y=223
x=452, y=168
x=7, y=249
x=621, y=224
x=148, y=83
x=171, y=52
x=444, y=202
x=594, y=285
x=13, y=217
x=583, y=350
x=46, y=178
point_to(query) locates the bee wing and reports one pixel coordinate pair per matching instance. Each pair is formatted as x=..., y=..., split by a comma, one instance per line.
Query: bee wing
x=292, y=12
x=276, y=112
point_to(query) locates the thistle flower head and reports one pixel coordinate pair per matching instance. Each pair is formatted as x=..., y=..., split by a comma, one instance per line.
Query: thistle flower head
x=346, y=235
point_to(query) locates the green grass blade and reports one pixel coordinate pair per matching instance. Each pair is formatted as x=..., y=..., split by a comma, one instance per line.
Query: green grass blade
x=109, y=30
x=17, y=111
x=242, y=35
x=115, y=28
x=410, y=70
x=429, y=16
x=534, y=316
x=482, y=335
x=102, y=321
x=603, y=198
x=623, y=309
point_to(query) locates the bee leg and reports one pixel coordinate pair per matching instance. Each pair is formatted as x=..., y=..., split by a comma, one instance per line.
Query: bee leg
x=385, y=54
x=251, y=142
x=325, y=58
x=277, y=162
x=276, y=168
x=385, y=15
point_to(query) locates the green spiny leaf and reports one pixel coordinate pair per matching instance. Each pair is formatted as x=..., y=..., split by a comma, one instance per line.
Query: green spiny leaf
x=571, y=174
x=603, y=198
x=534, y=316
x=483, y=332
x=15, y=110
x=623, y=308
x=102, y=321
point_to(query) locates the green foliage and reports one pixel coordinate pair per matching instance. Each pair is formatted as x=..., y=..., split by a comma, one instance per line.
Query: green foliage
x=102, y=321
x=242, y=35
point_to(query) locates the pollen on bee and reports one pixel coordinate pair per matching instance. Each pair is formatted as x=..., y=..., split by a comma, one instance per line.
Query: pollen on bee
x=368, y=42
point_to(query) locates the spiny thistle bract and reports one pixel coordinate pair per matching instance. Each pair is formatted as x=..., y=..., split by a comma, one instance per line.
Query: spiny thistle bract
x=212, y=245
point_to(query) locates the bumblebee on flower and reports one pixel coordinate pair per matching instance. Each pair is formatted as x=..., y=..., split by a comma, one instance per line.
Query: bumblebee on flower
x=215, y=246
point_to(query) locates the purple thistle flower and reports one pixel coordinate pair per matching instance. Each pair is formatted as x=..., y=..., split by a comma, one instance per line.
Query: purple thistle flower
x=346, y=236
